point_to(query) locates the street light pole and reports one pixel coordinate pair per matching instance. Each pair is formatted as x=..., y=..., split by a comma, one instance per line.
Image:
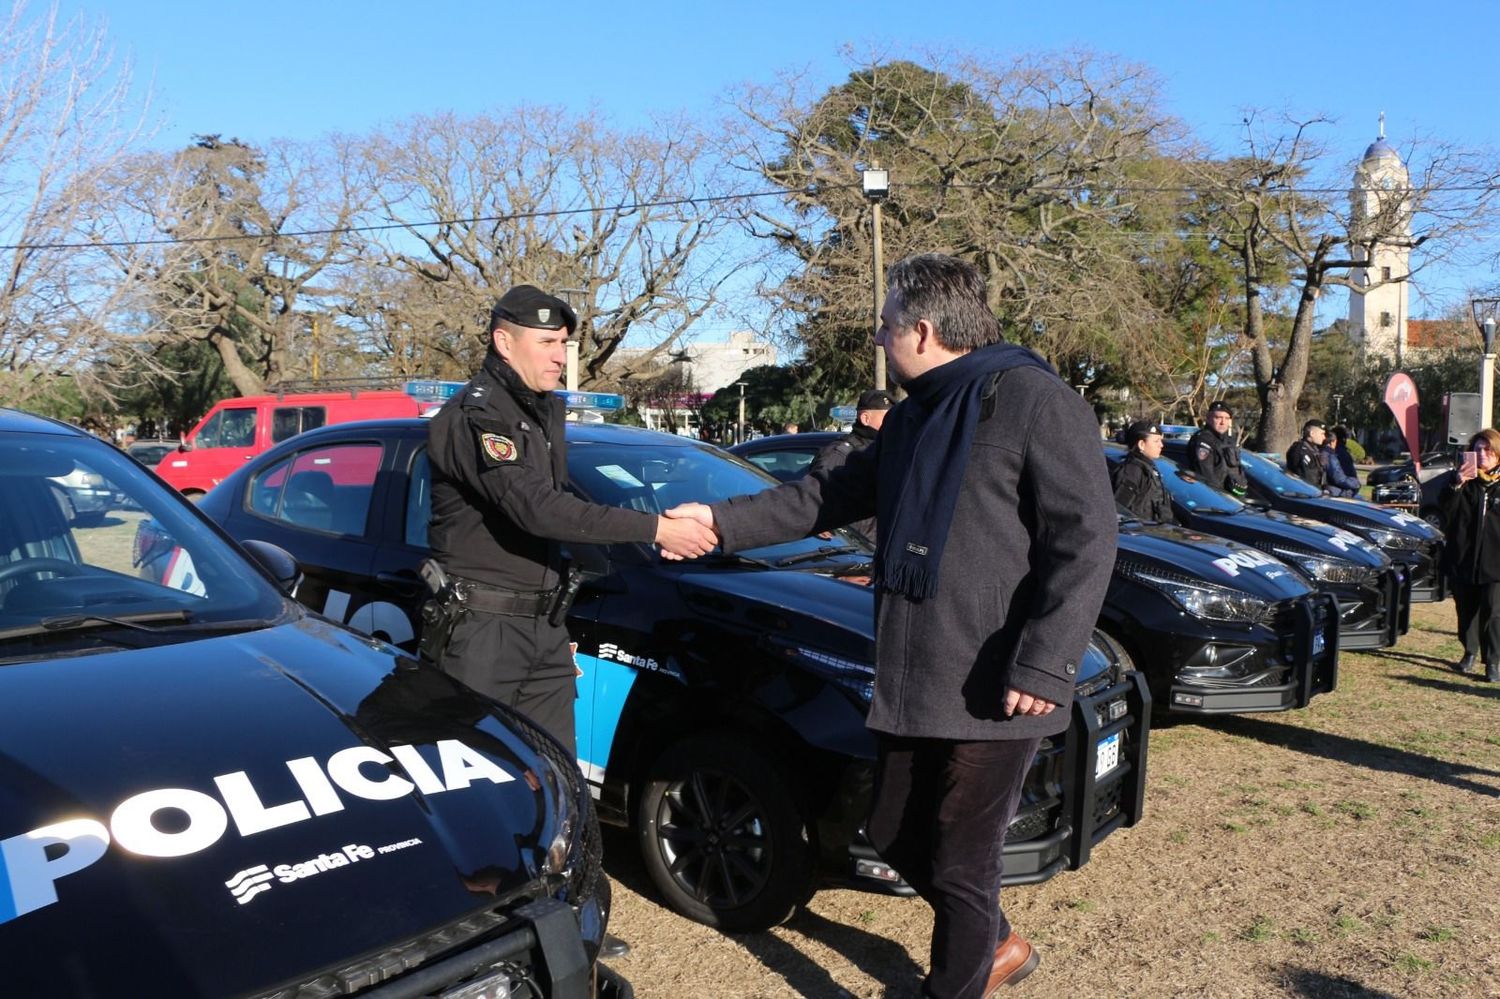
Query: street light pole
x=739, y=437
x=1337, y=404
x=1486, y=311
x=877, y=186
x=570, y=381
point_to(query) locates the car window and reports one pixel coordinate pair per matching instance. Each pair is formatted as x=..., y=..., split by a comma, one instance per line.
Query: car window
x=86, y=532
x=785, y=465
x=418, y=500
x=322, y=488
x=289, y=421
x=228, y=428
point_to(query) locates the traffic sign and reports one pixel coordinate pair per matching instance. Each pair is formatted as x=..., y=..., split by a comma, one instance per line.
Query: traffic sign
x=427, y=390
x=843, y=413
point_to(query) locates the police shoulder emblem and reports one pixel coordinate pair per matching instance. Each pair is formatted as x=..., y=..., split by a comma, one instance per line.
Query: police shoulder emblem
x=498, y=448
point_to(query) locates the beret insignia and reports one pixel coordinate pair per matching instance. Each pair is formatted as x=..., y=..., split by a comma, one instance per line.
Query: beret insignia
x=498, y=448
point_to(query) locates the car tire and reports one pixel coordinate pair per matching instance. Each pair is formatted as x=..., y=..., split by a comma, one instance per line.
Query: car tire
x=1433, y=517
x=722, y=836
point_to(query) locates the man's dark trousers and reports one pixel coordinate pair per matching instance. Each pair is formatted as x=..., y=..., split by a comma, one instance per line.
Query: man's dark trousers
x=939, y=817
x=522, y=662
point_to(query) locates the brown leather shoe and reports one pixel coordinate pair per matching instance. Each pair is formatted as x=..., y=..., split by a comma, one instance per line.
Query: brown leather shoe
x=1014, y=960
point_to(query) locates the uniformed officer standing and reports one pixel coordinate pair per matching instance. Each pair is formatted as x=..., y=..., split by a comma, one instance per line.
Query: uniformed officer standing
x=869, y=414
x=1138, y=484
x=1214, y=455
x=499, y=510
x=1303, y=458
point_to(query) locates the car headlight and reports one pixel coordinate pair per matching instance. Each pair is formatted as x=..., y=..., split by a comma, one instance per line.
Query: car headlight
x=1394, y=540
x=1200, y=598
x=856, y=677
x=560, y=850
x=1327, y=570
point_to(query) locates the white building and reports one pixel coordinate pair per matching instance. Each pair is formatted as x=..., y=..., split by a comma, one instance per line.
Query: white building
x=1378, y=307
x=707, y=367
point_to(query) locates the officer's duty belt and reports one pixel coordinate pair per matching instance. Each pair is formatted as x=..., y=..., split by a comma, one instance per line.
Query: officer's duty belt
x=493, y=600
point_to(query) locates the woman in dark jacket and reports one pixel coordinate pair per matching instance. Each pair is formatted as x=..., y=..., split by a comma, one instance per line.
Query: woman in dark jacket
x=1343, y=480
x=1471, y=509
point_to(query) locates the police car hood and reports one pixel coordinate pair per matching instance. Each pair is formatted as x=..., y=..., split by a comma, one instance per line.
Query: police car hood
x=1297, y=532
x=1345, y=511
x=227, y=815
x=1185, y=552
x=835, y=615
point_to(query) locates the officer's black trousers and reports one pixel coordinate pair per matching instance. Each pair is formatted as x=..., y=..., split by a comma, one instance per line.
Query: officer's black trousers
x=1479, y=618
x=522, y=662
x=939, y=817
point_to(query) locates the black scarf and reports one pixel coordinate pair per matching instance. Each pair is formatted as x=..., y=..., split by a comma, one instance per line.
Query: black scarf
x=914, y=524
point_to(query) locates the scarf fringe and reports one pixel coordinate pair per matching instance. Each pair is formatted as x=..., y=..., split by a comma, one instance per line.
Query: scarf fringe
x=903, y=577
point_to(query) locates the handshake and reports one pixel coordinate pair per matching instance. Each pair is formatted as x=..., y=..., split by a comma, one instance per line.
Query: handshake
x=686, y=531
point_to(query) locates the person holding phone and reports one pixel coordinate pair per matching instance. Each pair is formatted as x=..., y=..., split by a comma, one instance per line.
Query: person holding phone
x=1471, y=509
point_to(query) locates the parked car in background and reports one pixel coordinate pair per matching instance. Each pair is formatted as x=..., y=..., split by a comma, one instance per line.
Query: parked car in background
x=1214, y=626
x=1406, y=538
x=151, y=452
x=83, y=496
x=721, y=701
x=1374, y=594
x=207, y=790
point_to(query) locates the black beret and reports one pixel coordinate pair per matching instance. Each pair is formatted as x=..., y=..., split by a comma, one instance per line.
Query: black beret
x=529, y=306
x=1312, y=424
x=875, y=399
x=1221, y=407
x=1141, y=429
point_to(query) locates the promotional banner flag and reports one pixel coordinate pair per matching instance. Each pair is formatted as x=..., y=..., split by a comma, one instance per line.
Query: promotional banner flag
x=1401, y=400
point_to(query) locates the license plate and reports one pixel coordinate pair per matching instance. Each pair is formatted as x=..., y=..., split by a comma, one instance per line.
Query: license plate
x=1109, y=755
x=1319, y=642
x=495, y=985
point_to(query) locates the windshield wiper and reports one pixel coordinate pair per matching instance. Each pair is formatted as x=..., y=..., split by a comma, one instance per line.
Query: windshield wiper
x=59, y=623
x=723, y=558
x=822, y=551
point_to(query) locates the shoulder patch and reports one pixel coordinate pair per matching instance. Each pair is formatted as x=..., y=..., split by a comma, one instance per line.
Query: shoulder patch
x=1204, y=451
x=498, y=449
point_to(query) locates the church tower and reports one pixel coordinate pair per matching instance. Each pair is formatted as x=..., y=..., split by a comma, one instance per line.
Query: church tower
x=1380, y=234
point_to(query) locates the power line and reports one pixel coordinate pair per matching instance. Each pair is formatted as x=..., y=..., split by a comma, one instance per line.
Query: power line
x=626, y=207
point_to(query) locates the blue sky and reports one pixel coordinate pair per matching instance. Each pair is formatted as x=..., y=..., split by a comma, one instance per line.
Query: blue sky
x=299, y=70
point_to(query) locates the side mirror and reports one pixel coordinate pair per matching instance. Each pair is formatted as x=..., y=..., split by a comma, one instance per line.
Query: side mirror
x=278, y=562
x=591, y=560
x=184, y=446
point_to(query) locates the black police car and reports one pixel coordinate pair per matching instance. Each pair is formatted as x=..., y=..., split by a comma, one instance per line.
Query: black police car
x=1374, y=595
x=1215, y=626
x=721, y=701
x=1409, y=540
x=207, y=790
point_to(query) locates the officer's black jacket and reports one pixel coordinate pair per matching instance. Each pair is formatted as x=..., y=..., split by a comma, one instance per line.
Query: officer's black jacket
x=499, y=471
x=1304, y=461
x=1215, y=457
x=1139, y=489
x=836, y=454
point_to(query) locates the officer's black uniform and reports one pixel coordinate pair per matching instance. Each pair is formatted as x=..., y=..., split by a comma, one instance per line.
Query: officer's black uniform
x=499, y=510
x=858, y=439
x=1139, y=489
x=1215, y=457
x=1304, y=461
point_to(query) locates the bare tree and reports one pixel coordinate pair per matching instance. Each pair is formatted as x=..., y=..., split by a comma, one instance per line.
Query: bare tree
x=605, y=219
x=1296, y=234
x=67, y=117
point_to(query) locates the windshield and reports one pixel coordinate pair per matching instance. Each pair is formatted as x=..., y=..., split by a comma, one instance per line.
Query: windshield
x=1188, y=490
x=87, y=535
x=656, y=477
x=1268, y=475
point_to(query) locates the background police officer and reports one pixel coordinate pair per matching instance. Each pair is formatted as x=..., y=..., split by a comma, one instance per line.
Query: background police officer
x=869, y=414
x=1138, y=484
x=500, y=508
x=1303, y=458
x=1214, y=455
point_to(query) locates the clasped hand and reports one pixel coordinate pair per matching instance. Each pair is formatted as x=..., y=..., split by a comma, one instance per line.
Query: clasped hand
x=686, y=531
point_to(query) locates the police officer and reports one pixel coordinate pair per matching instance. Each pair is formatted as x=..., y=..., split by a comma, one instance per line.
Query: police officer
x=1138, y=485
x=500, y=509
x=869, y=414
x=1304, y=458
x=1214, y=455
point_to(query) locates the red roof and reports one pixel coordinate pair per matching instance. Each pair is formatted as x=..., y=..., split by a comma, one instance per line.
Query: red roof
x=1440, y=334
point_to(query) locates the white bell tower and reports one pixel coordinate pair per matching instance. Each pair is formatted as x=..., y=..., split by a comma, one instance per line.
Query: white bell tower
x=1380, y=203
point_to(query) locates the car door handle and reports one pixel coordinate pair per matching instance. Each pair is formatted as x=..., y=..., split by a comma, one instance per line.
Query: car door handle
x=405, y=581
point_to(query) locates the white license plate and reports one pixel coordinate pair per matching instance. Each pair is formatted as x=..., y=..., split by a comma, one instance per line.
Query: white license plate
x=1319, y=642
x=1109, y=755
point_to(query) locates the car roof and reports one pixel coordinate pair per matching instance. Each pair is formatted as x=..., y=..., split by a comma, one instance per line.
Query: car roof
x=15, y=421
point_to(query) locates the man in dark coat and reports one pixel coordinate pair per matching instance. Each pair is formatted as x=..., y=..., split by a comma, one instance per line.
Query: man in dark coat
x=996, y=544
x=1213, y=454
x=1304, y=458
x=1137, y=482
x=869, y=414
x=500, y=507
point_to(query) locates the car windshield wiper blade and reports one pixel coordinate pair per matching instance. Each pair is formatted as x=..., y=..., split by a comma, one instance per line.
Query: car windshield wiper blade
x=724, y=558
x=59, y=623
x=822, y=551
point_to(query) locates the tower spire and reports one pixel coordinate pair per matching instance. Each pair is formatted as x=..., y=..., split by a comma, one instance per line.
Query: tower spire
x=1382, y=124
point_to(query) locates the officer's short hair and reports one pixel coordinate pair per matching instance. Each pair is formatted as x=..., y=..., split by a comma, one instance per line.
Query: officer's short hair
x=1139, y=431
x=947, y=292
x=1313, y=425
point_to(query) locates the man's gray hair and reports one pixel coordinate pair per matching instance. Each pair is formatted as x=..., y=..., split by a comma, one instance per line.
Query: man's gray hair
x=947, y=292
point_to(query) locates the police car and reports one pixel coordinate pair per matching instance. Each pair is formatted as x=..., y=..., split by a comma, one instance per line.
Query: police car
x=207, y=790
x=721, y=701
x=1213, y=625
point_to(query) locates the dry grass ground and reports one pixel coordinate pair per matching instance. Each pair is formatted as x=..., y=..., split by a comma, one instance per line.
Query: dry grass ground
x=1348, y=850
